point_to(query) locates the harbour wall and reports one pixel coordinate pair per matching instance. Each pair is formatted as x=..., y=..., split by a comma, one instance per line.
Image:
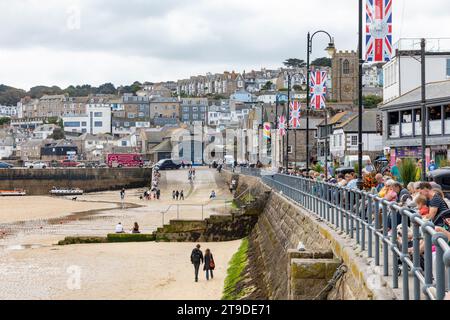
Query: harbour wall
x=41, y=181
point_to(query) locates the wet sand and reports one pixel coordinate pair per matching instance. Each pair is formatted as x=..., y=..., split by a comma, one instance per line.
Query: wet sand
x=26, y=208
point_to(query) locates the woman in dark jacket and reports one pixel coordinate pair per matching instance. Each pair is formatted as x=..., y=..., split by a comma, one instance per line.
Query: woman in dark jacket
x=209, y=263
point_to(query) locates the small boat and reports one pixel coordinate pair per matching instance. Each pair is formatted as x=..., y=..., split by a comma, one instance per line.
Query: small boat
x=15, y=192
x=66, y=192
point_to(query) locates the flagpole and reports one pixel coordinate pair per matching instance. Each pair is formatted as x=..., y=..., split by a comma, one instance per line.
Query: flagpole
x=287, y=124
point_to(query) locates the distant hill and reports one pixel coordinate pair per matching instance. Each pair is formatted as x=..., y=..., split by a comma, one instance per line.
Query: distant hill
x=10, y=96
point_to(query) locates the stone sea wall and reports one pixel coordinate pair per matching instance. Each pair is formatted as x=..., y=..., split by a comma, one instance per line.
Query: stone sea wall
x=41, y=181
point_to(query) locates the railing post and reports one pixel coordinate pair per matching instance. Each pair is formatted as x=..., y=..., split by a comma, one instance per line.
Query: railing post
x=362, y=211
x=352, y=207
x=416, y=256
x=439, y=263
x=377, y=227
x=428, y=257
x=393, y=246
x=370, y=225
x=385, y=245
x=358, y=216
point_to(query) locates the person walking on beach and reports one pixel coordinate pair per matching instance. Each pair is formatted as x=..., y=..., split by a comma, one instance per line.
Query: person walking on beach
x=177, y=194
x=173, y=194
x=158, y=194
x=122, y=196
x=196, y=259
x=209, y=264
x=182, y=195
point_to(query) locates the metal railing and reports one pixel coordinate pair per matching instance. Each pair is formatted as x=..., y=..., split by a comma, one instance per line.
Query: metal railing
x=255, y=172
x=372, y=222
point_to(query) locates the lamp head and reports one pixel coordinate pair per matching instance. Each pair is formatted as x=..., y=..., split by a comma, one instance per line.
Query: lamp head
x=331, y=49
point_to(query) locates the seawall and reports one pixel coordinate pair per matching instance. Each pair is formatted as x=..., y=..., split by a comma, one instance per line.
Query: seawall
x=282, y=272
x=41, y=181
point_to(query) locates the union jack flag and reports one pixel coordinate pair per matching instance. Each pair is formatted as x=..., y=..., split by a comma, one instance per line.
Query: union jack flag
x=318, y=89
x=282, y=125
x=294, y=114
x=378, y=30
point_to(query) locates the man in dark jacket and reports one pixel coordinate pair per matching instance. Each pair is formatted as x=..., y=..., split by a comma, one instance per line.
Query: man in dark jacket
x=196, y=259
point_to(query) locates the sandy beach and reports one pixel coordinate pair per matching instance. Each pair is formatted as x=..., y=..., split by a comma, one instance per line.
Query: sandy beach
x=113, y=271
x=33, y=267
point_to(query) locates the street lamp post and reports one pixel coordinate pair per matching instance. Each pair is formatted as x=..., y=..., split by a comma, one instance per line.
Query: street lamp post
x=330, y=49
x=360, y=104
x=423, y=107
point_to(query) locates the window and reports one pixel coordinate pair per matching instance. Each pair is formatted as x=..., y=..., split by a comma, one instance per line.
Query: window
x=195, y=116
x=354, y=141
x=72, y=124
x=346, y=67
x=124, y=143
x=141, y=115
x=448, y=67
x=83, y=130
x=289, y=148
x=131, y=115
x=202, y=109
x=98, y=124
x=98, y=114
x=194, y=109
x=126, y=124
x=84, y=124
x=186, y=109
x=185, y=117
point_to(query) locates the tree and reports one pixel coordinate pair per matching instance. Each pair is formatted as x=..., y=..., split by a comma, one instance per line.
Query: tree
x=294, y=63
x=322, y=62
x=267, y=86
x=371, y=101
x=107, y=88
x=57, y=134
x=4, y=120
x=39, y=91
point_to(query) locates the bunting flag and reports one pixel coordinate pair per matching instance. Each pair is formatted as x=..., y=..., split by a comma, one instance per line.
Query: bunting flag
x=266, y=130
x=294, y=115
x=378, y=30
x=318, y=89
x=282, y=125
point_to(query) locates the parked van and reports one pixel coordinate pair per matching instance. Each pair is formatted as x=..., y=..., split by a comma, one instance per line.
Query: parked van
x=351, y=161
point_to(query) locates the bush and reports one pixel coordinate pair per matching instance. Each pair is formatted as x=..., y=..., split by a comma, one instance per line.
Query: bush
x=408, y=170
x=130, y=237
x=318, y=168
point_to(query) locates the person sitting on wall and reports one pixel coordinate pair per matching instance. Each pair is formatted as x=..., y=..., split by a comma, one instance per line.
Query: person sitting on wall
x=135, y=228
x=119, y=228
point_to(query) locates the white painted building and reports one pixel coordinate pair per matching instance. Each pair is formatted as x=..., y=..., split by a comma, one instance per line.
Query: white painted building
x=344, y=139
x=43, y=131
x=403, y=73
x=97, y=119
x=9, y=111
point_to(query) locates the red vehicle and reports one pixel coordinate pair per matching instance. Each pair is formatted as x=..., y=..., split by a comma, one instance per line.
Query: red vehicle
x=69, y=163
x=125, y=160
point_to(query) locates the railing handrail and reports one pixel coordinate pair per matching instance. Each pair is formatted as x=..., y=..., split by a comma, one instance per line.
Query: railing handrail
x=339, y=204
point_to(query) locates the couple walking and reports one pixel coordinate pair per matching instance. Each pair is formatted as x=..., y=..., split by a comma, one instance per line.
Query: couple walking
x=197, y=259
x=178, y=195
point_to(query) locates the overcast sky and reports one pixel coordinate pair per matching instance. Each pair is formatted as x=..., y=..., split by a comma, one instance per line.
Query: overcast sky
x=62, y=42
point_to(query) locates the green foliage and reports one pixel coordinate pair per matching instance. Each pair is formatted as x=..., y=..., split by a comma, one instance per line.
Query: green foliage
x=371, y=101
x=442, y=162
x=4, y=120
x=53, y=120
x=408, y=171
x=267, y=86
x=79, y=240
x=294, y=63
x=57, y=134
x=356, y=167
x=130, y=237
x=318, y=168
x=235, y=272
x=322, y=62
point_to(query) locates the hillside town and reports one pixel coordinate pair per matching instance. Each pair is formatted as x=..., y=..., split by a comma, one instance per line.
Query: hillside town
x=143, y=122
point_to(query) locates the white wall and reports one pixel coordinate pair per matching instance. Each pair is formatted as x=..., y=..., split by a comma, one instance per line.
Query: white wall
x=99, y=114
x=410, y=77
